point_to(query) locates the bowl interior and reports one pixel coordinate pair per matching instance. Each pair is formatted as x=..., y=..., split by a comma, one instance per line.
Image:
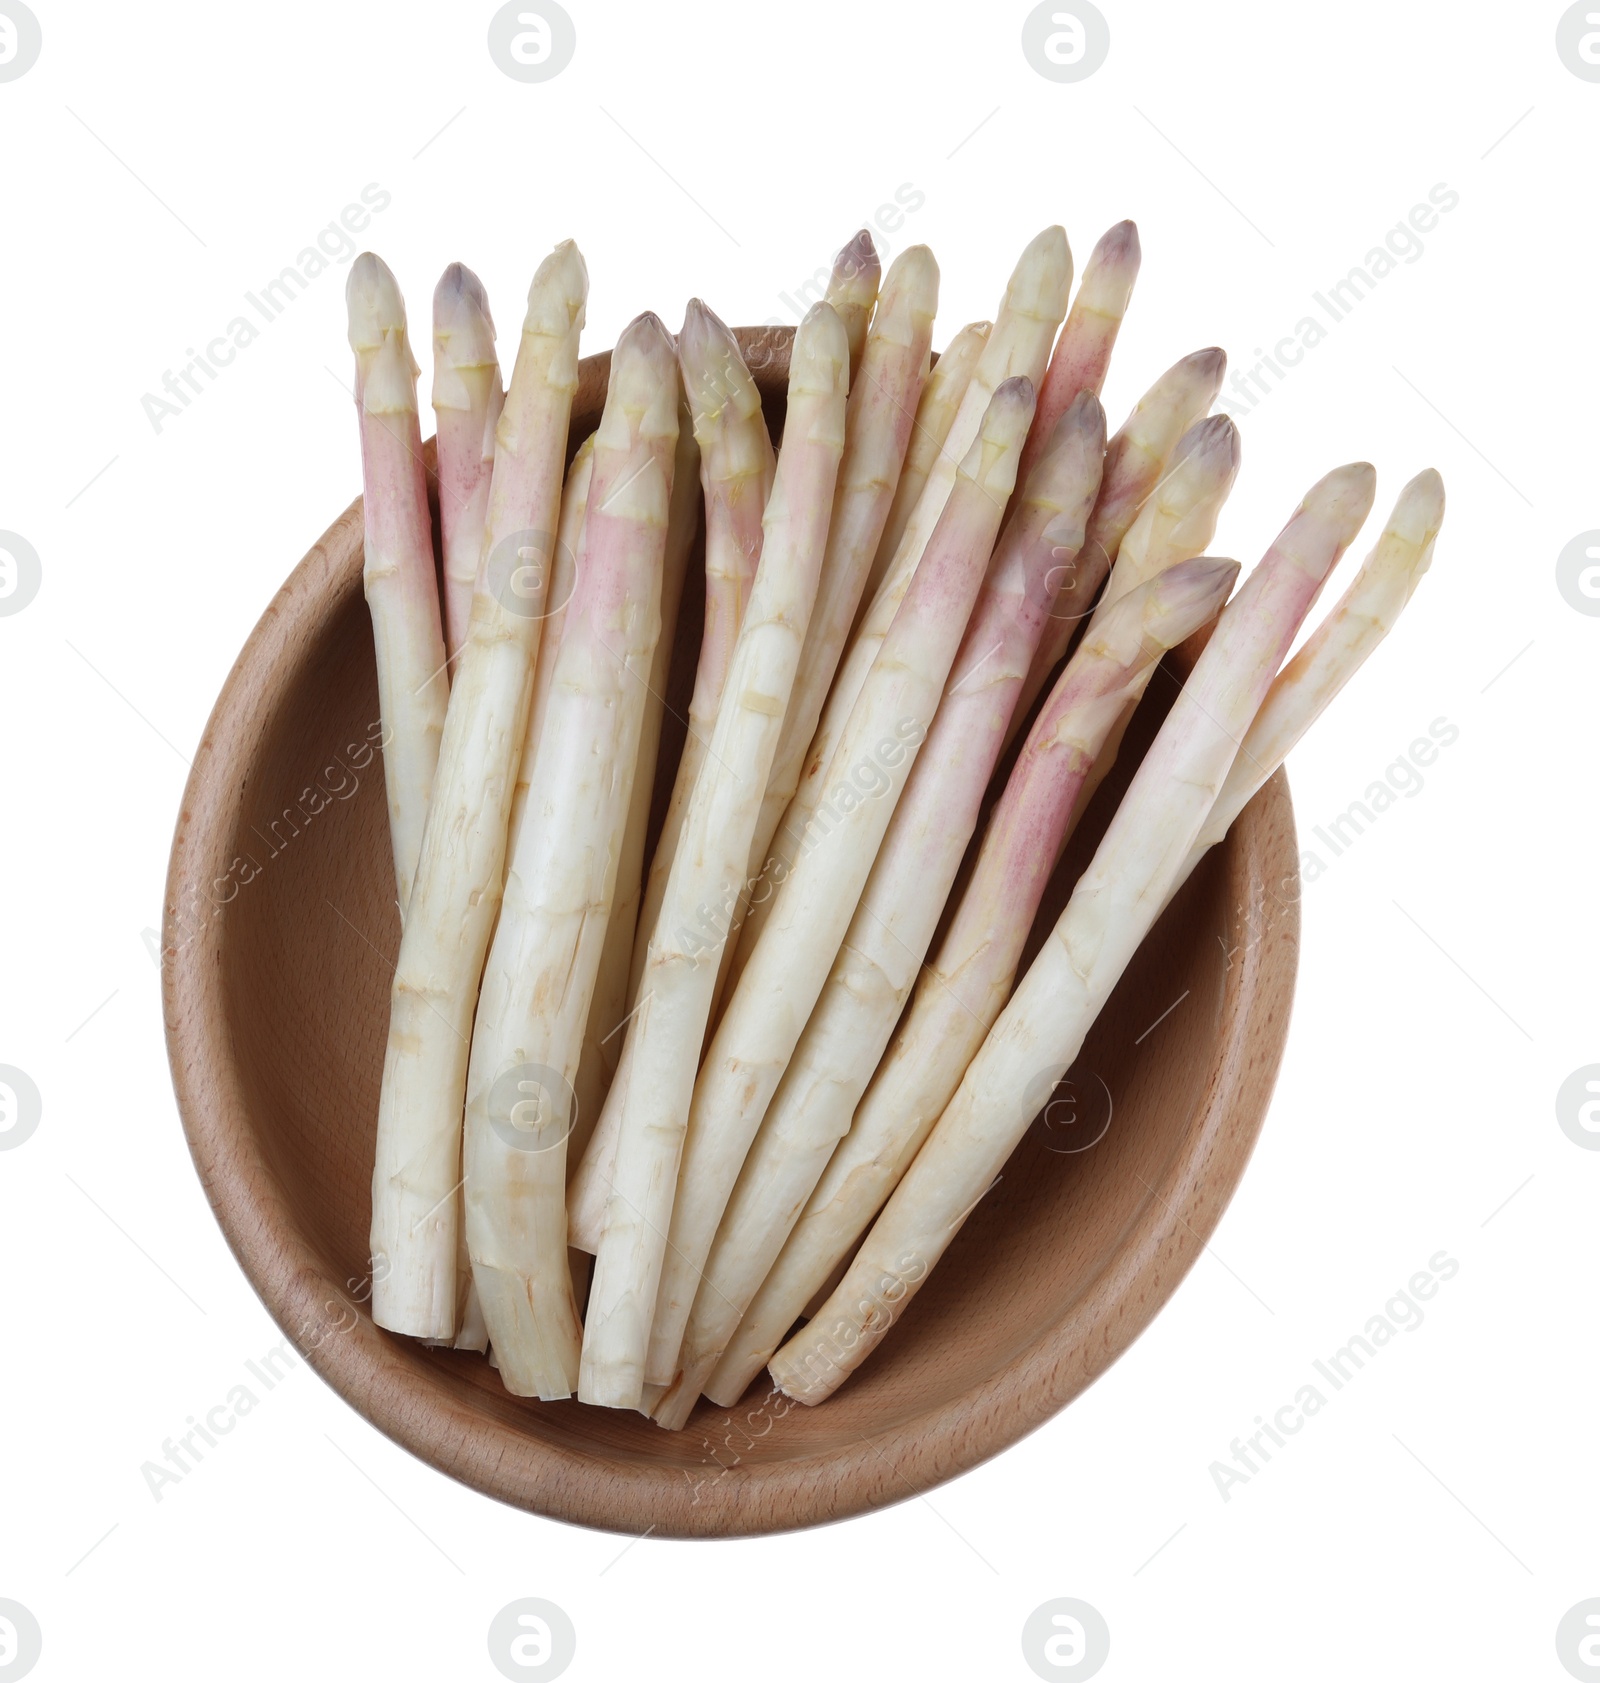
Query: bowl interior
x=278, y=1002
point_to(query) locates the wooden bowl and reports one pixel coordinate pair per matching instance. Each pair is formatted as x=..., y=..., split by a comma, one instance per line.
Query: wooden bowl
x=280, y=939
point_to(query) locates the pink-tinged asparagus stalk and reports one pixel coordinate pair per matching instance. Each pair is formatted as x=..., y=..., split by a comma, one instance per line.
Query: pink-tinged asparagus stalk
x=467, y=399
x=853, y=291
x=398, y=574
x=1083, y=351
x=959, y=995
x=1177, y=522
x=814, y=904
x=603, y=1034
x=656, y=1080
x=540, y=974
x=910, y=880
x=563, y=580
x=415, y=1210
x=943, y=389
x=1333, y=653
x=1041, y=1030
x=1136, y=458
x=1017, y=346
x=736, y=468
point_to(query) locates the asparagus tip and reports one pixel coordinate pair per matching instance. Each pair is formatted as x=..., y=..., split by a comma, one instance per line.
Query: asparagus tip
x=1043, y=275
x=647, y=334
x=819, y=359
x=858, y=257
x=1344, y=499
x=559, y=289
x=1083, y=418
x=1206, y=575
x=372, y=297
x=1427, y=489
x=459, y=296
x=463, y=333
x=1119, y=245
x=1419, y=509
x=1193, y=593
x=1209, y=364
x=915, y=270
x=1211, y=445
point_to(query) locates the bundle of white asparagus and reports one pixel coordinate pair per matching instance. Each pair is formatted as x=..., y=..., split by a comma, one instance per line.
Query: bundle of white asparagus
x=764, y=1072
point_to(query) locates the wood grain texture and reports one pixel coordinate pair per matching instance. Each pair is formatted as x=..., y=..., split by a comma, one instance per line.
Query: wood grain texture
x=280, y=937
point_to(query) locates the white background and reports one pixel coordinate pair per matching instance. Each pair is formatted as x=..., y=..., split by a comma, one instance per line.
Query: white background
x=1436, y=1518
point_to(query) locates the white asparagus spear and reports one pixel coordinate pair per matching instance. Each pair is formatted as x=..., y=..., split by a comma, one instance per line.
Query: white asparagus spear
x=960, y=993
x=467, y=399
x=603, y=1033
x=1017, y=345
x=415, y=1212
x=878, y=747
x=664, y=1035
x=540, y=973
x=1333, y=653
x=563, y=580
x=944, y=386
x=1088, y=336
x=736, y=468
x=882, y=410
x=1136, y=458
x=736, y=474
x=398, y=573
x=911, y=877
x=1041, y=1030
x=853, y=290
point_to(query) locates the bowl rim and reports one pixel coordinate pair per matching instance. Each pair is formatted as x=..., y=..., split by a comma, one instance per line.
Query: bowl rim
x=366, y=1367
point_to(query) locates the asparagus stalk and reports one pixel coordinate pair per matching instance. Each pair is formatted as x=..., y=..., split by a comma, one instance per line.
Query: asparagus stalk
x=664, y=1034
x=602, y=1040
x=1332, y=654
x=1177, y=522
x=1018, y=345
x=542, y=963
x=814, y=905
x=960, y=994
x=944, y=386
x=415, y=1214
x=1083, y=352
x=1179, y=518
x=736, y=468
x=1039, y=1033
x=563, y=580
x=736, y=471
x=398, y=574
x=878, y=423
x=853, y=290
x=467, y=399
x=1136, y=458
x=888, y=936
